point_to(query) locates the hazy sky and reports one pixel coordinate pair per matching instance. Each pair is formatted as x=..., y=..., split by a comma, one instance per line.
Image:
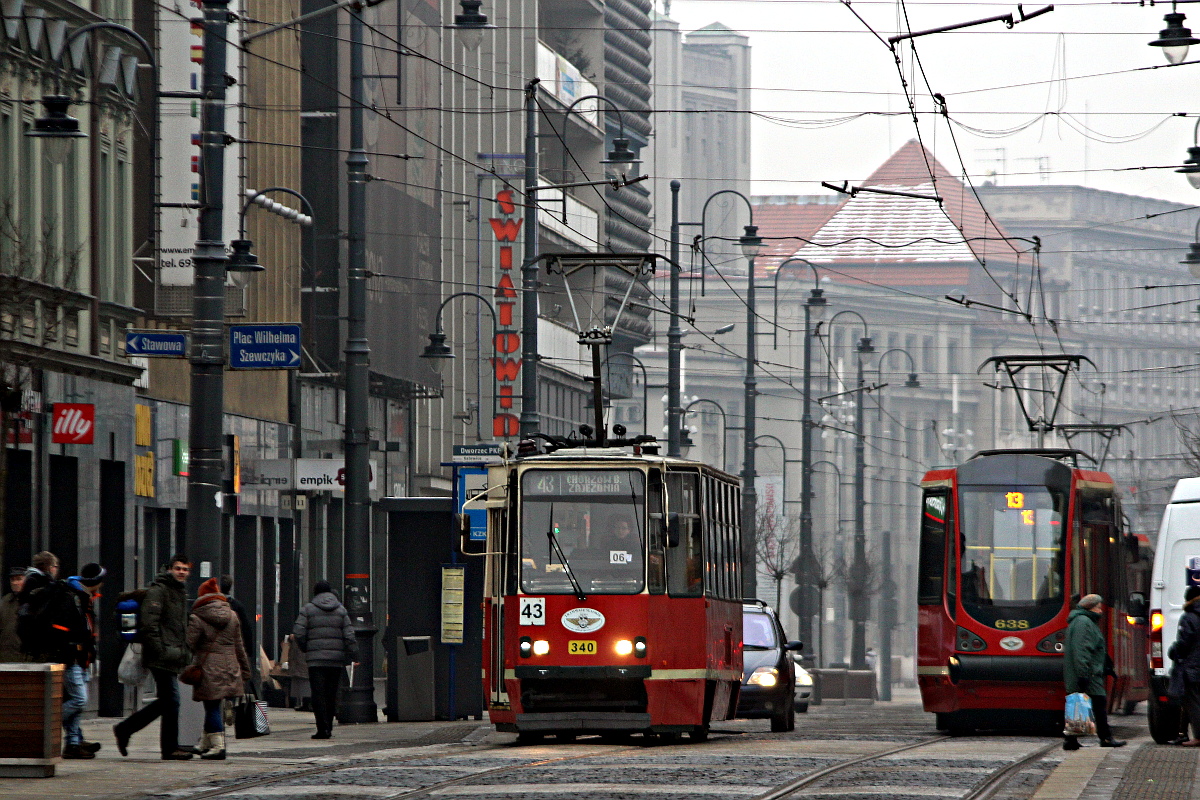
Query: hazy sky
x=1020, y=100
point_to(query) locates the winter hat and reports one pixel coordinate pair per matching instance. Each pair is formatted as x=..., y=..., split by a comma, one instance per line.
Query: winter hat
x=209, y=592
x=92, y=574
x=1191, y=594
x=17, y=572
x=321, y=587
x=1090, y=601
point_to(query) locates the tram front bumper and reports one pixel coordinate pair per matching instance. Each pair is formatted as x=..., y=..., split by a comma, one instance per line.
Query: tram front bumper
x=578, y=722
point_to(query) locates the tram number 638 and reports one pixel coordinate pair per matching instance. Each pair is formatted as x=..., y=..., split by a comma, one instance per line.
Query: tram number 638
x=533, y=611
x=1012, y=624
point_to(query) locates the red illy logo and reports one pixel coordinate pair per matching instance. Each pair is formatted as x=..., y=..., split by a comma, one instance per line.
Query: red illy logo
x=74, y=423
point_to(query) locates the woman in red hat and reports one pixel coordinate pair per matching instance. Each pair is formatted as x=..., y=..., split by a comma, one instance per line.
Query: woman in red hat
x=215, y=638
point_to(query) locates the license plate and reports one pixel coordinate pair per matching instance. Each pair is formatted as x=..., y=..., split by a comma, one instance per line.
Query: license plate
x=584, y=647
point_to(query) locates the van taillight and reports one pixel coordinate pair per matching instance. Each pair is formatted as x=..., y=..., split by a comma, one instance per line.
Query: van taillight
x=1156, y=643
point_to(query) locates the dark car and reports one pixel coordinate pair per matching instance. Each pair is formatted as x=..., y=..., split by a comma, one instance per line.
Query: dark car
x=768, y=679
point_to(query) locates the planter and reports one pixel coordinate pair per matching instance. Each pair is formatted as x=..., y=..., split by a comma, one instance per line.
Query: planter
x=31, y=710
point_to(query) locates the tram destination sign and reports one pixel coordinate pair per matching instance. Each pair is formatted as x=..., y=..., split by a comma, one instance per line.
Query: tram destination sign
x=579, y=482
x=172, y=344
x=270, y=346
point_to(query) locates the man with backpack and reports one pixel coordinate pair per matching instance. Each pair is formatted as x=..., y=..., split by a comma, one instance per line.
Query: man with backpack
x=163, y=631
x=77, y=655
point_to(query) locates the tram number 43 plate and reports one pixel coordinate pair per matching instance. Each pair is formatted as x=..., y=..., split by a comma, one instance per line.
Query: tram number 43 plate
x=533, y=611
x=581, y=647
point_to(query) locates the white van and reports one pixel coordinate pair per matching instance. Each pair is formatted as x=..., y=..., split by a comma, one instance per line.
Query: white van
x=1177, y=552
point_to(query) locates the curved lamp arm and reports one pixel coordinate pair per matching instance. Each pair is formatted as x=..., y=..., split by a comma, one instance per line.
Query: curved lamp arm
x=816, y=292
x=724, y=421
x=308, y=209
x=912, y=364
x=486, y=304
x=704, y=213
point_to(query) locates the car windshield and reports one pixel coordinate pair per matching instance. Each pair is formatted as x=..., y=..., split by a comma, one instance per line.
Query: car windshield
x=758, y=631
x=585, y=524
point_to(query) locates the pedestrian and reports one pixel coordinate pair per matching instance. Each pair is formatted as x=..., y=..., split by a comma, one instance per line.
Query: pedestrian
x=872, y=658
x=77, y=654
x=10, y=641
x=1084, y=666
x=1185, y=652
x=163, y=631
x=243, y=620
x=214, y=635
x=325, y=634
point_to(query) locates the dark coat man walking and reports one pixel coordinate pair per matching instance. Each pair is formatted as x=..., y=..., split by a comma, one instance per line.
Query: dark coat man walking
x=325, y=634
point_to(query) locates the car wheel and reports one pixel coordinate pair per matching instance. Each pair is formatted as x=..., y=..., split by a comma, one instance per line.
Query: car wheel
x=785, y=721
x=1164, y=720
x=802, y=707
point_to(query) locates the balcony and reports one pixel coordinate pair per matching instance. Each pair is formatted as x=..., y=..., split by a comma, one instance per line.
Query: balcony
x=579, y=225
x=563, y=81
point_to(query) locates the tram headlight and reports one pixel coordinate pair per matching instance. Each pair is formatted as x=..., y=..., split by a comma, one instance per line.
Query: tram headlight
x=764, y=676
x=541, y=647
x=624, y=647
x=525, y=646
x=639, y=647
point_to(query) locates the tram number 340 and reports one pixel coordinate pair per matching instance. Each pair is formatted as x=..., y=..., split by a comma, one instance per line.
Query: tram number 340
x=533, y=611
x=1012, y=624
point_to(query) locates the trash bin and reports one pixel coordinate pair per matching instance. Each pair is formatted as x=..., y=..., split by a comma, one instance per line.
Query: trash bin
x=410, y=679
x=31, y=710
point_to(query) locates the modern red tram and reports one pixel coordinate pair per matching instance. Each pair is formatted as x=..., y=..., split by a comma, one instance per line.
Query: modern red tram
x=613, y=594
x=1009, y=541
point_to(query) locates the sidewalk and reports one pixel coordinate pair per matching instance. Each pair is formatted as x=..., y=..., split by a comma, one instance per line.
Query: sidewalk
x=111, y=777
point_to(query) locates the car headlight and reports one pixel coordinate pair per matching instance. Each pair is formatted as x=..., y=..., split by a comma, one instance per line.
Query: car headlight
x=803, y=678
x=763, y=676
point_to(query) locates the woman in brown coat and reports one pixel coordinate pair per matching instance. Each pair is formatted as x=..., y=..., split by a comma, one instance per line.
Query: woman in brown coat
x=215, y=637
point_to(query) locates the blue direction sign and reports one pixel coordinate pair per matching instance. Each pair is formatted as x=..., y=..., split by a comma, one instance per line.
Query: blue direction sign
x=156, y=343
x=264, y=346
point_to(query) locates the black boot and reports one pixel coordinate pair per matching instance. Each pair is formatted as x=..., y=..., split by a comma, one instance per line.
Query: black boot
x=1111, y=743
x=1071, y=743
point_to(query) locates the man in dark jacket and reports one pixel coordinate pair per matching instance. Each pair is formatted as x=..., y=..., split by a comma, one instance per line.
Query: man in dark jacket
x=325, y=635
x=77, y=655
x=10, y=642
x=1083, y=666
x=1186, y=654
x=163, y=631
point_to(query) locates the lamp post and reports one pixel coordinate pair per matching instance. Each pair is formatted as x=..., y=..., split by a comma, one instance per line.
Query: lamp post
x=750, y=242
x=439, y=353
x=822, y=580
x=859, y=602
x=1174, y=39
x=911, y=383
x=814, y=307
x=724, y=423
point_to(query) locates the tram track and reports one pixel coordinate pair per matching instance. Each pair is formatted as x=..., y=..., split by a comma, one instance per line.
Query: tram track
x=491, y=780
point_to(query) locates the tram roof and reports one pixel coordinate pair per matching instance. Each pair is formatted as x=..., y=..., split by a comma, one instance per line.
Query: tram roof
x=613, y=455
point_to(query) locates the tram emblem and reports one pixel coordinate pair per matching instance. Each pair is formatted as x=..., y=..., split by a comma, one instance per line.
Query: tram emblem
x=1012, y=643
x=583, y=620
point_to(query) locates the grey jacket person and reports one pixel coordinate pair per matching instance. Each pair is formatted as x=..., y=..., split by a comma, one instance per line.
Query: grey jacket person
x=324, y=632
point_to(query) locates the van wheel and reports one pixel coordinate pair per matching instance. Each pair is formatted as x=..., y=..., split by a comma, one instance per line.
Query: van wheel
x=525, y=737
x=1163, y=719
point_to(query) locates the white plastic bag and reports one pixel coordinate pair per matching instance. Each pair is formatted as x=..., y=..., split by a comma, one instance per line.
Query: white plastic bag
x=131, y=671
x=1078, y=718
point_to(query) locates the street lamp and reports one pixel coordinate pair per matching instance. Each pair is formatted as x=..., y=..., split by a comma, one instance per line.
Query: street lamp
x=57, y=130
x=913, y=381
x=724, y=425
x=814, y=308
x=1191, y=164
x=243, y=259
x=1174, y=39
x=439, y=354
x=470, y=24
x=1192, y=259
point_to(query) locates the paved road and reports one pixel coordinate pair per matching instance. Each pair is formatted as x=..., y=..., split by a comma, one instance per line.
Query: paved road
x=843, y=752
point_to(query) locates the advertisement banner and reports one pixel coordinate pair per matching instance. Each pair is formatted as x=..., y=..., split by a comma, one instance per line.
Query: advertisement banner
x=74, y=423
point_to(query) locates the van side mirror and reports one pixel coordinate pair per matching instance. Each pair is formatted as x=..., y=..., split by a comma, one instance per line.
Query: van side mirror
x=672, y=529
x=794, y=646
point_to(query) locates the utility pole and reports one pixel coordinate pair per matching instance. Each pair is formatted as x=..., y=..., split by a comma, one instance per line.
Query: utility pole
x=205, y=499
x=530, y=420
x=887, y=617
x=674, y=335
x=358, y=704
x=859, y=600
x=750, y=242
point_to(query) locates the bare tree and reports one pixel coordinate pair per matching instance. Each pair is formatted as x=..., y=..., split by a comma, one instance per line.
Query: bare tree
x=778, y=546
x=1189, y=436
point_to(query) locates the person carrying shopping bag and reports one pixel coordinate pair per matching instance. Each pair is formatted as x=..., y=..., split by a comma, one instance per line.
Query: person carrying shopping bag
x=325, y=634
x=1084, y=666
x=220, y=667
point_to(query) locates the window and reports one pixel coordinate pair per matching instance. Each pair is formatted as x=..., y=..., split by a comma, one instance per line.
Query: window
x=685, y=560
x=937, y=519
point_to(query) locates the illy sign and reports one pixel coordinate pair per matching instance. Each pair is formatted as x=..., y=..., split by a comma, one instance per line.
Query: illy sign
x=74, y=423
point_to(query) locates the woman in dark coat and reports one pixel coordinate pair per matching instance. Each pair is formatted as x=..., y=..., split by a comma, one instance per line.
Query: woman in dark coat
x=1084, y=665
x=1186, y=655
x=325, y=634
x=214, y=635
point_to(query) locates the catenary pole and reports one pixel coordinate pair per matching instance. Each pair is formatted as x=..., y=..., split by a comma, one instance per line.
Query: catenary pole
x=530, y=420
x=674, y=335
x=204, y=535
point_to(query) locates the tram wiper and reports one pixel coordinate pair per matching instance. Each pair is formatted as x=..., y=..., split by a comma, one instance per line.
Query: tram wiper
x=579, y=595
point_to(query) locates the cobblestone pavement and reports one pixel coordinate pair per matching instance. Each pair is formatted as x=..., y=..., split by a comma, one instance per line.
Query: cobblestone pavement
x=742, y=759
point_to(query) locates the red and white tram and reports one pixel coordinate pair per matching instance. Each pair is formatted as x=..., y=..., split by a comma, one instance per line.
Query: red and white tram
x=613, y=594
x=1009, y=541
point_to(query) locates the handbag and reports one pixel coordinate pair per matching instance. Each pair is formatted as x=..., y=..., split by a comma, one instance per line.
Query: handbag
x=250, y=718
x=132, y=671
x=1077, y=718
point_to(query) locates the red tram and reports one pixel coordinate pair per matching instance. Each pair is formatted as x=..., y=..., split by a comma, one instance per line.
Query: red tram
x=612, y=596
x=1009, y=541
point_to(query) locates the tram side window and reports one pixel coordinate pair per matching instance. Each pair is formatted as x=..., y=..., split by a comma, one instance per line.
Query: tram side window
x=656, y=579
x=685, y=562
x=936, y=522
x=1098, y=528
x=729, y=535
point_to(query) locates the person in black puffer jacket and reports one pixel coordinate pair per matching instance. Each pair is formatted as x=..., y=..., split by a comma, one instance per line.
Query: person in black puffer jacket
x=325, y=635
x=1186, y=654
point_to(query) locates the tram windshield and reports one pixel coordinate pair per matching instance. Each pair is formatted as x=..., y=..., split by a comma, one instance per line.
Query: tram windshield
x=1011, y=550
x=597, y=518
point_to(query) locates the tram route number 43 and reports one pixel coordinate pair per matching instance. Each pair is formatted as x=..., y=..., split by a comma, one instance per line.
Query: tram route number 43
x=533, y=611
